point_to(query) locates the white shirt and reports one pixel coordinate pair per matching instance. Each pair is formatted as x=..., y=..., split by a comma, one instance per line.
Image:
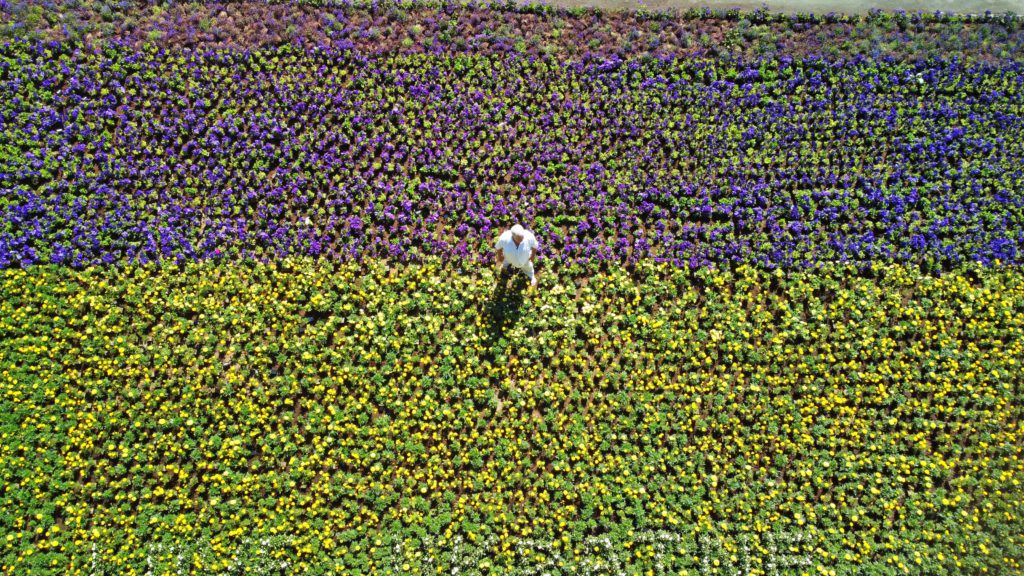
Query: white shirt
x=516, y=256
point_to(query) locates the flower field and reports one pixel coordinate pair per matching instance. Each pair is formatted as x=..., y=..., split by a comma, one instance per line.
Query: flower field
x=353, y=407
x=249, y=322
x=118, y=155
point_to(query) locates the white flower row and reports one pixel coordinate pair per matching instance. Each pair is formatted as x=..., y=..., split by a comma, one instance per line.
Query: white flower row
x=603, y=556
x=533, y=557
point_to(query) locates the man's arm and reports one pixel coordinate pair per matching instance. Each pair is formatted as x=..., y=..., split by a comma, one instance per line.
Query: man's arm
x=499, y=252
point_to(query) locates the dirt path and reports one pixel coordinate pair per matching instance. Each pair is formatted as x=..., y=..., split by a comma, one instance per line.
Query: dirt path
x=814, y=6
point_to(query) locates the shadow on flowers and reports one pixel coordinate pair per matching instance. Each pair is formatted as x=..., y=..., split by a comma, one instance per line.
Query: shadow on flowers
x=504, y=308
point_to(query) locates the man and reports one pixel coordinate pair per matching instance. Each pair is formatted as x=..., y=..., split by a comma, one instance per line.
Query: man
x=515, y=247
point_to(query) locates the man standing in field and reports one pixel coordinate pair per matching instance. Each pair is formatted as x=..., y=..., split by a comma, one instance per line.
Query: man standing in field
x=515, y=247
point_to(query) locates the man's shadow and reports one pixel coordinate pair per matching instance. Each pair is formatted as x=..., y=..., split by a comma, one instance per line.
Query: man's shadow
x=504, y=307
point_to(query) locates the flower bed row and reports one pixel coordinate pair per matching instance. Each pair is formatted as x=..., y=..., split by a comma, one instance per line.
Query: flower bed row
x=520, y=28
x=350, y=412
x=121, y=155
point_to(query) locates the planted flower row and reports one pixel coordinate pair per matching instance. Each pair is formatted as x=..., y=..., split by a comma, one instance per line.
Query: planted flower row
x=121, y=155
x=520, y=28
x=373, y=417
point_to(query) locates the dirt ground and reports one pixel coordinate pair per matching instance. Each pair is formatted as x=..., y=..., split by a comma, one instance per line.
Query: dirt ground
x=815, y=6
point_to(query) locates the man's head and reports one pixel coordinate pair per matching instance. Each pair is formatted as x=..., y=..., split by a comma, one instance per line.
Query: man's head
x=518, y=232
